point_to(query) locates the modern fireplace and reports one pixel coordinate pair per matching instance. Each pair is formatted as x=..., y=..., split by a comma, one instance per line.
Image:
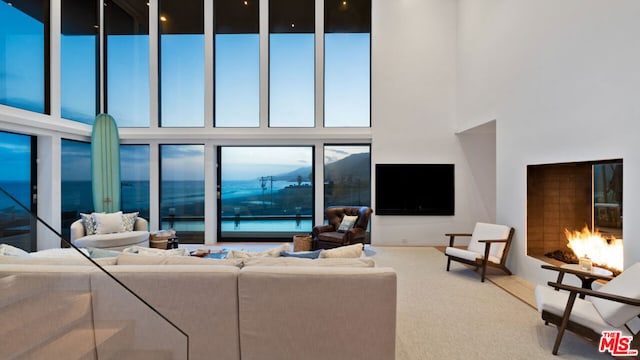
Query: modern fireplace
x=580, y=200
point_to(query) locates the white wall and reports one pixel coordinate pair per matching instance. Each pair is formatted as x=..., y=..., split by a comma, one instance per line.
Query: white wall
x=414, y=111
x=562, y=80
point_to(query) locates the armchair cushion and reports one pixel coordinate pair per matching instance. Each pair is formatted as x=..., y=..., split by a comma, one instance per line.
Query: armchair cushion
x=583, y=311
x=484, y=231
x=615, y=313
x=347, y=223
x=469, y=255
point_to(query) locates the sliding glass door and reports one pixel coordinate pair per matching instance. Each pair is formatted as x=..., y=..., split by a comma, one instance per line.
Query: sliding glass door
x=18, y=181
x=265, y=192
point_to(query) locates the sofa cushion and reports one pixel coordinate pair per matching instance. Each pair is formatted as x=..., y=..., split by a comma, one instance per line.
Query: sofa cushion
x=141, y=250
x=275, y=252
x=292, y=261
x=316, y=313
x=108, y=223
x=349, y=251
x=302, y=254
x=32, y=260
x=114, y=240
x=138, y=259
x=9, y=250
x=97, y=253
x=58, y=253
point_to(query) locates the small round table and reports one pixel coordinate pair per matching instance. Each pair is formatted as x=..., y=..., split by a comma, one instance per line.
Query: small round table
x=586, y=276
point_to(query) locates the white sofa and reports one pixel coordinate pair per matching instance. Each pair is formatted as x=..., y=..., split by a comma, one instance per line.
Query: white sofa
x=230, y=309
x=114, y=241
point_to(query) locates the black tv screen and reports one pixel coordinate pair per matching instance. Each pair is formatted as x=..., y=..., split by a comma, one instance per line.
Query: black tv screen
x=415, y=189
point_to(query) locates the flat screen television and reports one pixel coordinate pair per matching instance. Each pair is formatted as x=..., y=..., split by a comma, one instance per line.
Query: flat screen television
x=415, y=189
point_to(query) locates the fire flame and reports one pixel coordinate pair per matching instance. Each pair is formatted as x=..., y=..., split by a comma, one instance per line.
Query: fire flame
x=606, y=252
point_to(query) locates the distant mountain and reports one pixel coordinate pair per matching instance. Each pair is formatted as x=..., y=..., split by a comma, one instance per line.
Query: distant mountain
x=352, y=168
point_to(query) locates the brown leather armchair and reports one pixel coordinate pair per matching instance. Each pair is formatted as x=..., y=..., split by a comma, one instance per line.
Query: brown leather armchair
x=327, y=236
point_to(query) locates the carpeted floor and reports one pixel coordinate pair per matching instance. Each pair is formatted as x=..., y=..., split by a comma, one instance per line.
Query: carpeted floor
x=452, y=315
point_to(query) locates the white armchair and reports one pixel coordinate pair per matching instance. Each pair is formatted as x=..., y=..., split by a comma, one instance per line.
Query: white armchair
x=114, y=241
x=489, y=246
x=610, y=308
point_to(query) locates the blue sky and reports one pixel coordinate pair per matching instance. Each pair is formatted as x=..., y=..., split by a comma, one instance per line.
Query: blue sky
x=237, y=77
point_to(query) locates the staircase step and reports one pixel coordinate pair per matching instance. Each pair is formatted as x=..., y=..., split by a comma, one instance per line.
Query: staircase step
x=14, y=288
x=74, y=344
x=143, y=355
x=112, y=337
x=33, y=322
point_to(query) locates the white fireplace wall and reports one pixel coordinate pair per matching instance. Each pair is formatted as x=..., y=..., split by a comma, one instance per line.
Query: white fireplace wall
x=562, y=81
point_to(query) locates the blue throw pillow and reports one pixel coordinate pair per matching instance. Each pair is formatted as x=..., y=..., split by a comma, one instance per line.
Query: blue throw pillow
x=97, y=253
x=302, y=254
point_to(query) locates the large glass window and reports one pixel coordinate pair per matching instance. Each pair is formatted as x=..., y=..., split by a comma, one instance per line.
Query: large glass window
x=265, y=192
x=347, y=175
x=77, y=193
x=78, y=54
x=182, y=63
x=237, y=64
x=182, y=191
x=127, y=48
x=134, y=172
x=291, y=63
x=347, y=65
x=15, y=223
x=24, y=62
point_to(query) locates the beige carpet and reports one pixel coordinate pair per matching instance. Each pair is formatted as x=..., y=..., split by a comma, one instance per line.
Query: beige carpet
x=452, y=315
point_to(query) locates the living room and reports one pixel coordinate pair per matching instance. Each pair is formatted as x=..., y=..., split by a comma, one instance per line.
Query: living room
x=491, y=86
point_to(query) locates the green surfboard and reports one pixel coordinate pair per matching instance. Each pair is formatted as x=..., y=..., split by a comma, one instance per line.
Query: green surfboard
x=105, y=164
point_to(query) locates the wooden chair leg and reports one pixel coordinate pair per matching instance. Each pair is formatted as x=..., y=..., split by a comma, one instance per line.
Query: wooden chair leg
x=484, y=269
x=565, y=321
x=448, y=263
x=487, y=247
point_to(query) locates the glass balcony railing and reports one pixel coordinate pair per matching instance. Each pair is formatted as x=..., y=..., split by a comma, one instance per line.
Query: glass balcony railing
x=64, y=303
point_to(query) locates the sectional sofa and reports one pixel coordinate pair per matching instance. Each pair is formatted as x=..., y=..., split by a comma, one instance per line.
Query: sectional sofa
x=253, y=308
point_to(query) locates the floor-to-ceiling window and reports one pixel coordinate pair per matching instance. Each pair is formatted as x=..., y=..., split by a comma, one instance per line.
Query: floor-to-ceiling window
x=182, y=190
x=274, y=68
x=78, y=60
x=24, y=54
x=265, y=192
x=75, y=176
x=182, y=63
x=347, y=175
x=291, y=63
x=237, y=64
x=16, y=157
x=347, y=63
x=127, y=61
x=134, y=172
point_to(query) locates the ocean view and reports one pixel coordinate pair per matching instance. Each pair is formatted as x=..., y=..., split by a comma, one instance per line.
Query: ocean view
x=183, y=201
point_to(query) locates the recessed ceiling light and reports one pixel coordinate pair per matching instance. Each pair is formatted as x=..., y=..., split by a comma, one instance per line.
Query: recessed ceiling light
x=163, y=18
